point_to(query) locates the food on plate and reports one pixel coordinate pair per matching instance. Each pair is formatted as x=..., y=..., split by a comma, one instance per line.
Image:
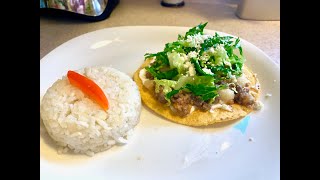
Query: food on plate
x=91, y=110
x=198, y=80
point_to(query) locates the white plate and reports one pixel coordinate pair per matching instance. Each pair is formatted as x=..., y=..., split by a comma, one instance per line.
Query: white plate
x=160, y=149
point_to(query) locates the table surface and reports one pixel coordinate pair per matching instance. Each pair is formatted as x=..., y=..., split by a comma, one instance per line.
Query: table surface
x=220, y=15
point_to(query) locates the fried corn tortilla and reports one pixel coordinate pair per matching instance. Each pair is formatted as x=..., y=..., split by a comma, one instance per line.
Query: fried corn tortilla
x=196, y=118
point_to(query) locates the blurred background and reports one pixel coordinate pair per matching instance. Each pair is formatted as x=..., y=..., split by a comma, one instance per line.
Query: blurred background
x=257, y=21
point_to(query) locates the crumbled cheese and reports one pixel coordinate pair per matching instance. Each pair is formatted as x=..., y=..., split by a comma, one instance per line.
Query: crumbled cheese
x=268, y=95
x=192, y=54
x=208, y=71
x=220, y=48
x=205, y=57
x=184, y=56
x=227, y=63
x=211, y=50
x=187, y=65
x=197, y=40
x=192, y=70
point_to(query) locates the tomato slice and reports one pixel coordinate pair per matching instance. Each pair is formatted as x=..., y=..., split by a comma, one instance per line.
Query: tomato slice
x=88, y=87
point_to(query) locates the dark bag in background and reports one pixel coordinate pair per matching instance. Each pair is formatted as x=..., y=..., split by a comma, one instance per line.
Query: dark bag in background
x=92, y=10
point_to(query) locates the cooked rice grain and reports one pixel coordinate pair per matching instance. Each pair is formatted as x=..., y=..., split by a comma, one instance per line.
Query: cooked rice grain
x=73, y=120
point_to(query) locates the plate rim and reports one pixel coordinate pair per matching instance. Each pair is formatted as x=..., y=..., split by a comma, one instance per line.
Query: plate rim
x=70, y=41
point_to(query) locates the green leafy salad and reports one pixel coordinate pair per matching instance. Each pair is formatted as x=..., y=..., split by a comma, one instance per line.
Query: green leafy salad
x=198, y=70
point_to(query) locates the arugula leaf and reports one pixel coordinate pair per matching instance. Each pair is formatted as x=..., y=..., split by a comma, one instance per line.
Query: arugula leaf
x=174, y=46
x=237, y=45
x=189, y=49
x=161, y=58
x=196, y=30
x=205, y=92
x=172, y=93
x=198, y=68
x=170, y=74
x=180, y=37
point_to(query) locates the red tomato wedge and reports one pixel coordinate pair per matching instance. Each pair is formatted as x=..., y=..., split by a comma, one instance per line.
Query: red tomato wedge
x=89, y=87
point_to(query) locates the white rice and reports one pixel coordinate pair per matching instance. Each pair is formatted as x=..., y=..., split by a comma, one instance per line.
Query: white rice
x=73, y=120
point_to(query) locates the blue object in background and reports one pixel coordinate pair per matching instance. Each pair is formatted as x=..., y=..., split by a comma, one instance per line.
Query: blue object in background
x=243, y=124
x=42, y=4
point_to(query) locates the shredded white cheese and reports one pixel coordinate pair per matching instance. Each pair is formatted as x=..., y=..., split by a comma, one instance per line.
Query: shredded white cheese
x=220, y=106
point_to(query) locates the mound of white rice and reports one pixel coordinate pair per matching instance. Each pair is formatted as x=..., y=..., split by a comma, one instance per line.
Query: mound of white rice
x=76, y=122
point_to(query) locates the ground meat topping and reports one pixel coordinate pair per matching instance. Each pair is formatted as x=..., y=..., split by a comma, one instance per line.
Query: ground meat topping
x=160, y=96
x=243, y=96
x=149, y=75
x=182, y=103
x=200, y=104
